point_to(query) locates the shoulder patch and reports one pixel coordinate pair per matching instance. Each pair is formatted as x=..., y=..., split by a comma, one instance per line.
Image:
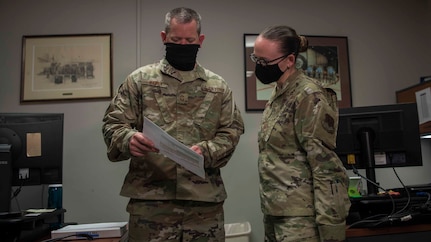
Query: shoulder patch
x=328, y=123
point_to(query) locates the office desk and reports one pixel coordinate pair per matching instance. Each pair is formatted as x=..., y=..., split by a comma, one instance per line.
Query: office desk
x=416, y=232
x=28, y=228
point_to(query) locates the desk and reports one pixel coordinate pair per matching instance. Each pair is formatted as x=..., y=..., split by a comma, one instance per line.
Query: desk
x=416, y=232
x=28, y=228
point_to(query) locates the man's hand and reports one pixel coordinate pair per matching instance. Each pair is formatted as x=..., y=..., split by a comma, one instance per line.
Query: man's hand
x=141, y=145
x=196, y=149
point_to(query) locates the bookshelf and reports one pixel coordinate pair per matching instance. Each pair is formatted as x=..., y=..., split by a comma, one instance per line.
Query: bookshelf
x=408, y=95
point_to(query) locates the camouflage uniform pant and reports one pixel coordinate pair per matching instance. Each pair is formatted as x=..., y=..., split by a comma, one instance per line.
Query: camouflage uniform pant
x=290, y=229
x=173, y=220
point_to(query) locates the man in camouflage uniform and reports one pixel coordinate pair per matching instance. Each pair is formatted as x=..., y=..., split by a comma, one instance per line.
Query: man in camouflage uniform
x=195, y=106
x=303, y=184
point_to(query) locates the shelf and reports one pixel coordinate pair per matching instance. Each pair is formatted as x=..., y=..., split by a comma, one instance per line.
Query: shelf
x=408, y=95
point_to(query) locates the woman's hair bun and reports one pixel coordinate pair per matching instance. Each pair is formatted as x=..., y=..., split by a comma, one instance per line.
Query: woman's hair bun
x=303, y=43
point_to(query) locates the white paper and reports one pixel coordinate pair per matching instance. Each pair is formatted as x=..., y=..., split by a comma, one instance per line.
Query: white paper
x=380, y=158
x=173, y=149
x=40, y=210
x=92, y=226
x=423, y=101
x=95, y=230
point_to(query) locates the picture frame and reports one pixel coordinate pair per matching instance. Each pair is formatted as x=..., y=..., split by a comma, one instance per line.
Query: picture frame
x=66, y=67
x=326, y=59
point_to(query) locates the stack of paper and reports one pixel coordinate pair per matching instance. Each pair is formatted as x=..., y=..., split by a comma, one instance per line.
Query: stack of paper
x=96, y=230
x=124, y=238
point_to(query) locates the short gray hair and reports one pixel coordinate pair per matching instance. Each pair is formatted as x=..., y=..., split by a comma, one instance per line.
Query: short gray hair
x=183, y=15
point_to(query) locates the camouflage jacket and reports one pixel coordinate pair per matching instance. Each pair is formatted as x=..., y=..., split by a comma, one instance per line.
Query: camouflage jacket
x=196, y=108
x=300, y=175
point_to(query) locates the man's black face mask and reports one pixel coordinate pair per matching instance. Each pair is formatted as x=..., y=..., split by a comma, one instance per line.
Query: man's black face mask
x=182, y=57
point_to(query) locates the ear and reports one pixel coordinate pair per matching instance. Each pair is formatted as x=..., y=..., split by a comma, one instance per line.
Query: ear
x=291, y=60
x=201, y=39
x=163, y=35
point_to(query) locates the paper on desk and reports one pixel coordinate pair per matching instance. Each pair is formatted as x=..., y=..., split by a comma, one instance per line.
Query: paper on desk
x=423, y=101
x=92, y=226
x=173, y=149
x=40, y=210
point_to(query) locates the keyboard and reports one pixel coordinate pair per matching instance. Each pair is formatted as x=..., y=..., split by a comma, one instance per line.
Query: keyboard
x=381, y=210
x=419, y=187
x=9, y=215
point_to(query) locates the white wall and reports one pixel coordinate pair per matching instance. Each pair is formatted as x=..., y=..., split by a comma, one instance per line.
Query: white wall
x=388, y=47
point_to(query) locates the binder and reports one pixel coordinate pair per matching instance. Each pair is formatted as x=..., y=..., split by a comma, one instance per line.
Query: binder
x=95, y=230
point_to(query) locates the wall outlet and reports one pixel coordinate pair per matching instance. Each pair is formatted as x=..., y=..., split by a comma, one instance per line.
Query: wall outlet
x=24, y=173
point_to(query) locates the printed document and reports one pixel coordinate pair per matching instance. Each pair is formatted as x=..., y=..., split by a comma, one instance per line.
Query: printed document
x=173, y=149
x=423, y=101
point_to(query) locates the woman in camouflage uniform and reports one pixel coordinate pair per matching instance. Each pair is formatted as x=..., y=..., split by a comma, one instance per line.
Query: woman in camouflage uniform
x=303, y=184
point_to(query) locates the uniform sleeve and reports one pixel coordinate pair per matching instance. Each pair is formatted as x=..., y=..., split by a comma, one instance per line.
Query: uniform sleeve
x=219, y=150
x=316, y=129
x=120, y=121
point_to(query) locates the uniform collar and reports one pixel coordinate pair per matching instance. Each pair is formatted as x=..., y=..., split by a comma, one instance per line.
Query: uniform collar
x=289, y=81
x=184, y=76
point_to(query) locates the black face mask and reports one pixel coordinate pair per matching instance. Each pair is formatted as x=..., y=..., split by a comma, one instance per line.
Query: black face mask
x=268, y=74
x=182, y=57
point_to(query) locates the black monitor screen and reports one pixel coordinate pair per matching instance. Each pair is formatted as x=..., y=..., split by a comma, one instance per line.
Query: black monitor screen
x=36, y=147
x=390, y=132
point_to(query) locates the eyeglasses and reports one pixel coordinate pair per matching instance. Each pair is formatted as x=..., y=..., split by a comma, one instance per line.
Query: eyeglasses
x=264, y=62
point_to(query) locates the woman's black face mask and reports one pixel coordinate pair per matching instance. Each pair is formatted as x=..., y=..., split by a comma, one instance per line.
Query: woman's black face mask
x=268, y=74
x=182, y=57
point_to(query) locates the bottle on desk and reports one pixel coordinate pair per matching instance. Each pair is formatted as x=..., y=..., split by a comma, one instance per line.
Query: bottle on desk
x=55, y=200
x=55, y=196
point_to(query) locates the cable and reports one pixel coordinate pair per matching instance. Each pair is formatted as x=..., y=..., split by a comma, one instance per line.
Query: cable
x=386, y=217
x=367, y=220
x=42, y=197
x=407, y=191
x=372, y=182
x=16, y=193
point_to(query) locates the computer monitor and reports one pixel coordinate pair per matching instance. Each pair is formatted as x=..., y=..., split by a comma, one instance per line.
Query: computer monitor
x=381, y=136
x=31, y=151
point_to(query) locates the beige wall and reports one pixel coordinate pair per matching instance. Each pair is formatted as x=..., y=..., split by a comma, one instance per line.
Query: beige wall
x=388, y=47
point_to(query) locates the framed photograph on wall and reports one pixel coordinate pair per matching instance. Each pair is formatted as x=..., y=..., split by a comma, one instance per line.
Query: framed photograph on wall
x=66, y=67
x=327, y=59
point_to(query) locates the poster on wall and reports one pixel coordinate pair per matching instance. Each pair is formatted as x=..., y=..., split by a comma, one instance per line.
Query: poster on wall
x=66, y=67
x=326, y=60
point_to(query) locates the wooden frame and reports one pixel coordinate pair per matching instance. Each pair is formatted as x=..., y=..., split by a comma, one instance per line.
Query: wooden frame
x=66, y=67
x=326, y=59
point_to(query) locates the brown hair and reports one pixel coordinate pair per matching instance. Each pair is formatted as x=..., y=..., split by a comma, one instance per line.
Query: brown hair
x=290, y=41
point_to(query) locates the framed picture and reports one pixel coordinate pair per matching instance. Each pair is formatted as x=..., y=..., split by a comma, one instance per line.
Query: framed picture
x=327, y=60
x=66, y=67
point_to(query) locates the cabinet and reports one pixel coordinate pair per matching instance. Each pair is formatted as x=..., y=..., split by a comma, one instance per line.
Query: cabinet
x=408, y=95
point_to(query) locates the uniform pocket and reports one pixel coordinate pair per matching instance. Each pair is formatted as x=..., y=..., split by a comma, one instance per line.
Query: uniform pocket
x=338, y=191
